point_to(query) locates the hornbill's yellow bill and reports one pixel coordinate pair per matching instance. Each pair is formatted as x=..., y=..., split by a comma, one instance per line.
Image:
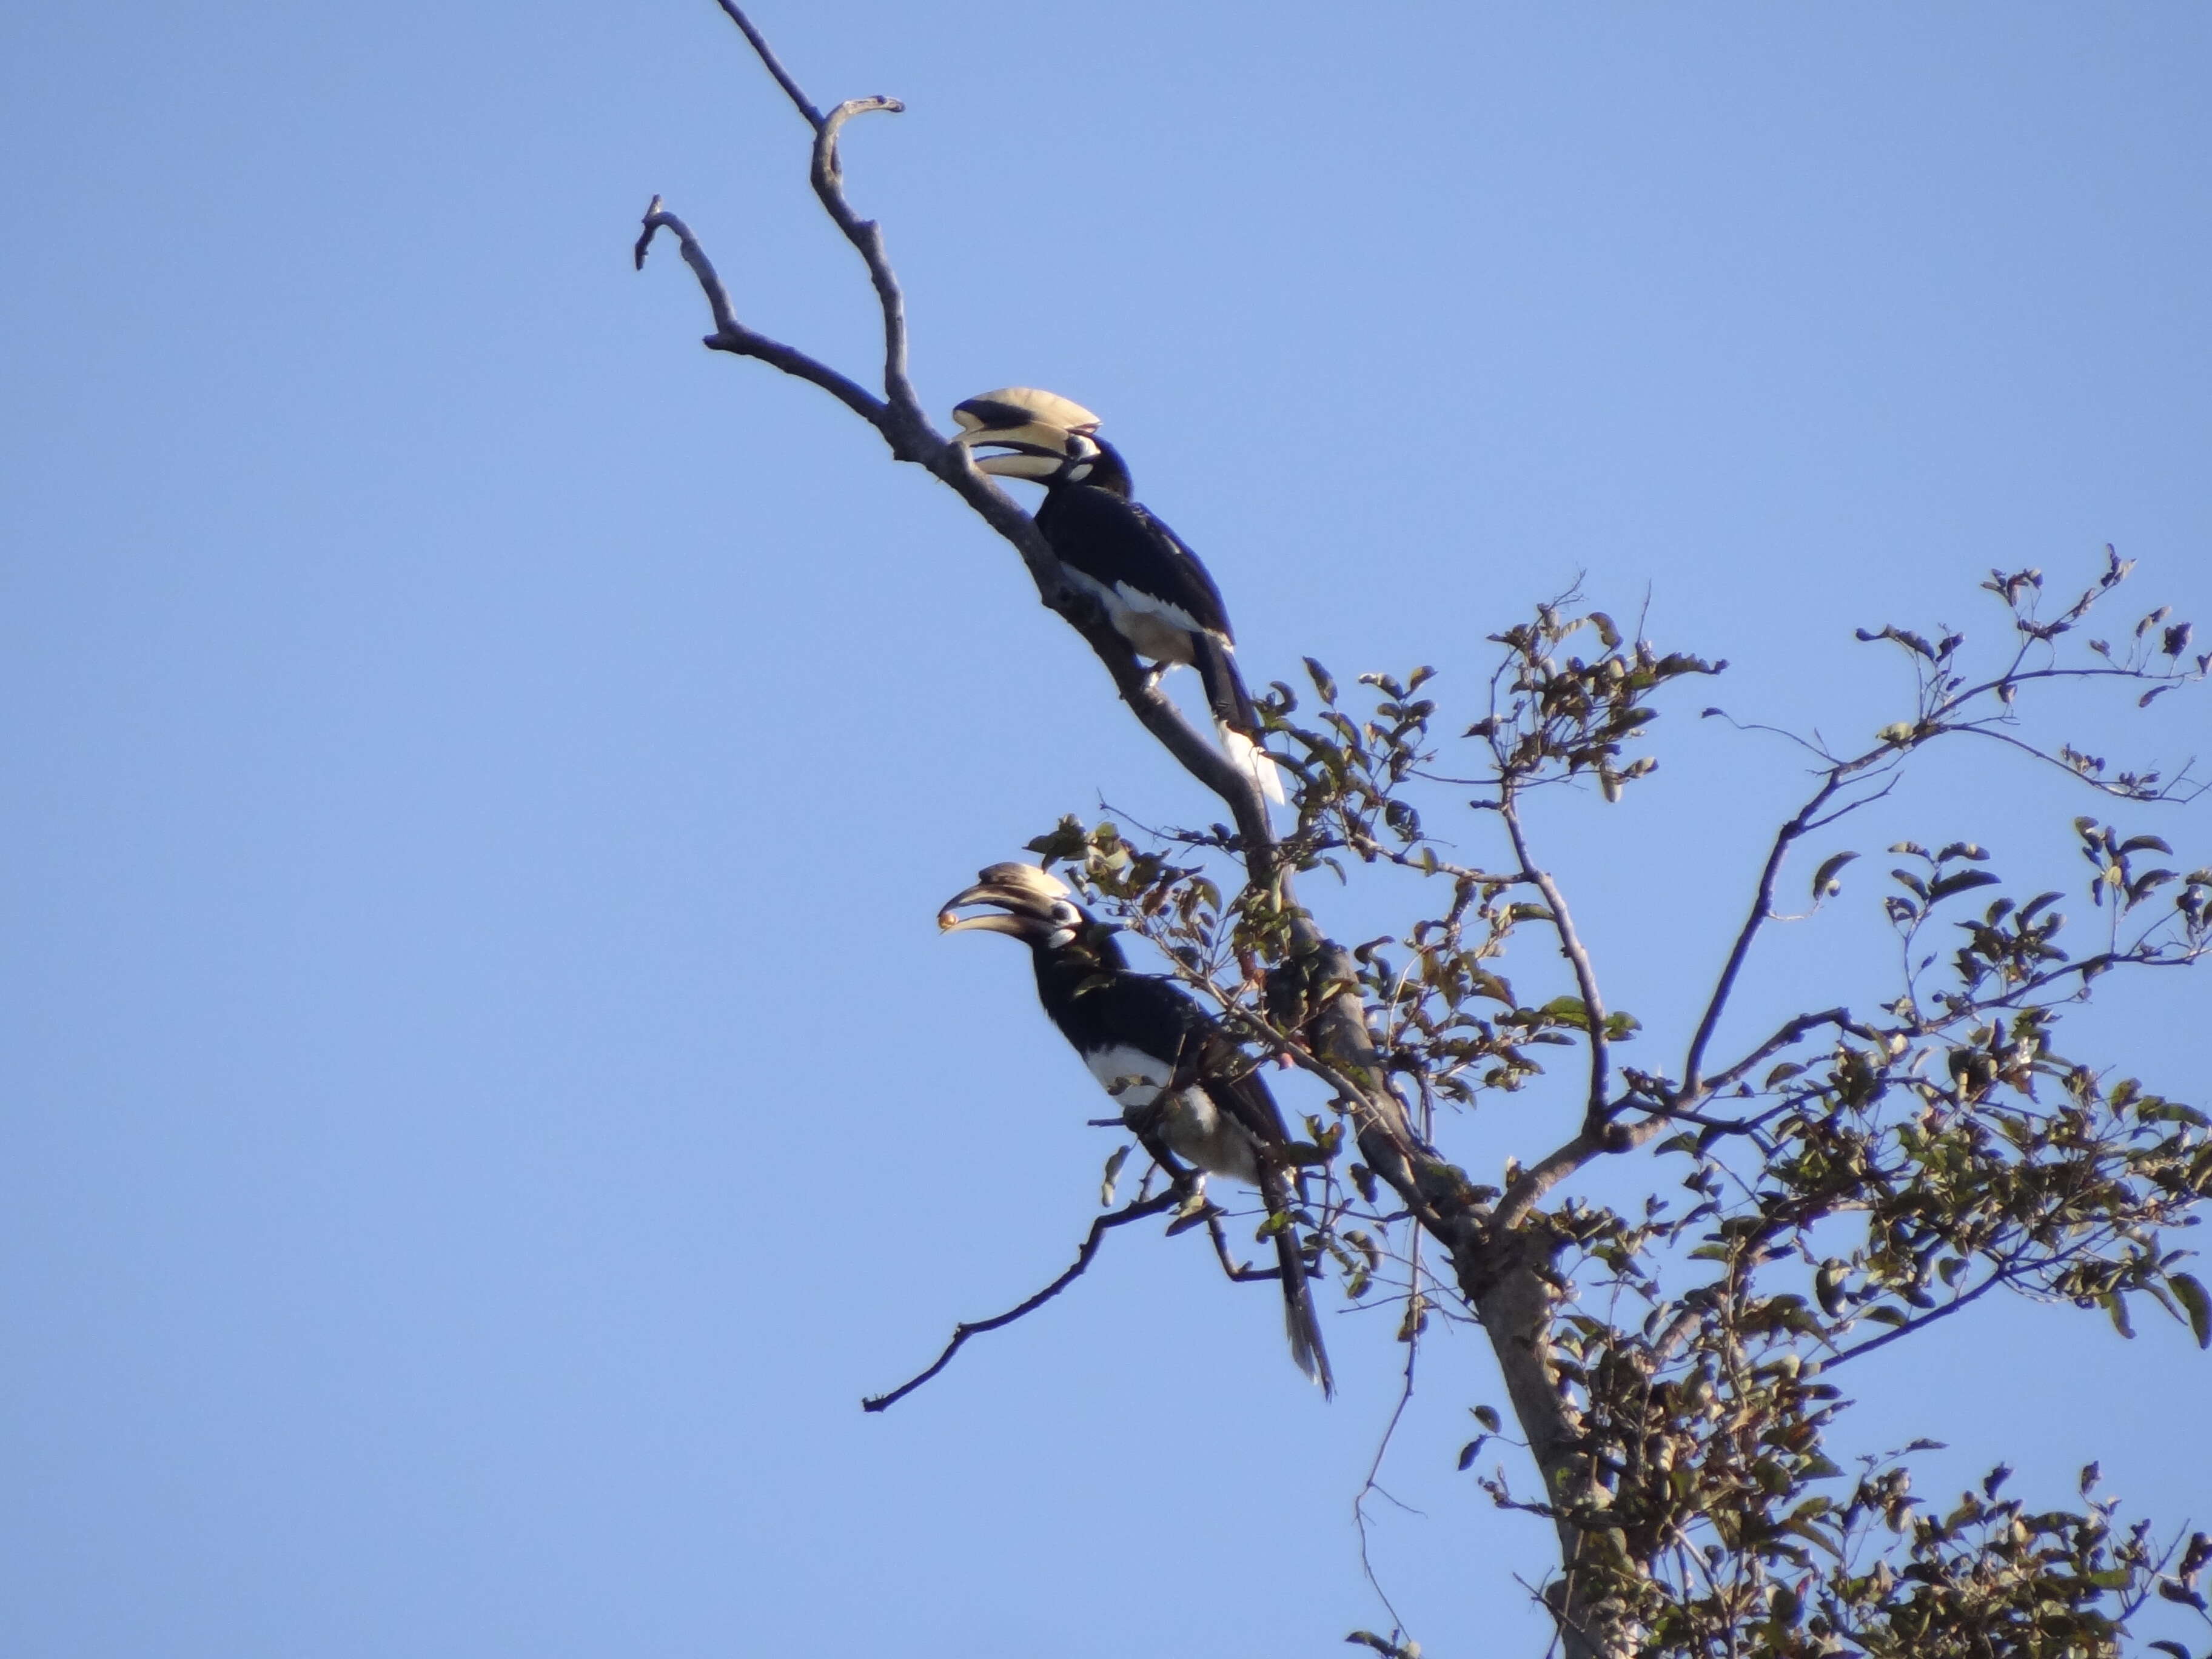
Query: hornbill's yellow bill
x=1033, y=431
x=1028, y=903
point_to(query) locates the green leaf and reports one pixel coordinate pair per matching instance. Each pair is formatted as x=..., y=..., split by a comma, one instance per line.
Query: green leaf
x=1469, y=1452
x=2117, y=1306
x=1959, y=882
x=1568, y=1011
x=1488, y=1417
x=2190, y=1294
x=1825, y=884
x=1786, y=1608
x=1113, y=1172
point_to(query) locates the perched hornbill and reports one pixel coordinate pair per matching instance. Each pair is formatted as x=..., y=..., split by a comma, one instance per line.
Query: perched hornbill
x=1181, y=1083
x=1157, y=594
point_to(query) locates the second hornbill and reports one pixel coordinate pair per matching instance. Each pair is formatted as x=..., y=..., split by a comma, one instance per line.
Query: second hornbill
x=1154, y=590
x=1181, y=1082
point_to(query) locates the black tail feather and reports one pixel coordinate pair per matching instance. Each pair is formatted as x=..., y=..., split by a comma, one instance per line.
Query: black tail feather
x=1301, y=1319
x=1225, y=694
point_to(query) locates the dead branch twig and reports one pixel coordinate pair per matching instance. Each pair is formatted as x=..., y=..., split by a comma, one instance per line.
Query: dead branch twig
x=1135, y=1211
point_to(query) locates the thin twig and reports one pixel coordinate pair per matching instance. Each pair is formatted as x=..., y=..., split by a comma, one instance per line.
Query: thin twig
x=1570, y=946
x=2003, y=1275
x=2166, y=794
x=1762, y=910
x=1788, y=1037
x=1128, y=1212
x=1241, y=1272
x=761, y=51
x=1382, y=1447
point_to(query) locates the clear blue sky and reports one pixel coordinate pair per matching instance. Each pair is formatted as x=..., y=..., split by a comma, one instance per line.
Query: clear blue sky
x=483, y=1094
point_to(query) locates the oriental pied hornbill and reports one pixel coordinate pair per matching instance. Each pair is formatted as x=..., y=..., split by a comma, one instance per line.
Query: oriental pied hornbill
x=1181, y=1082
x=1157, y=594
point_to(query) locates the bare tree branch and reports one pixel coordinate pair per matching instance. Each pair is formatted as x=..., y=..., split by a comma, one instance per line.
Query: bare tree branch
x=761, y=51
x=2003, y=1276
x=1549, y=1171
x=1762, y=911
x=1135, y=1211
x=1241, y=1272
x=733, y=336
x=1789, y=1036
x=1570, y=946
x=829, y=177
x=1373, y=1483
x=2164, y=795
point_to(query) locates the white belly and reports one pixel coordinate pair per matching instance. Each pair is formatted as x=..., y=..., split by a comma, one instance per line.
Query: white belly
x=1194, y=1129
x=1202, y=1135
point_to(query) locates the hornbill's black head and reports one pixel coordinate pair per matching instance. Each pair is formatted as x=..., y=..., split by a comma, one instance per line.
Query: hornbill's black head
x=1026, y=903
x=1040, y=435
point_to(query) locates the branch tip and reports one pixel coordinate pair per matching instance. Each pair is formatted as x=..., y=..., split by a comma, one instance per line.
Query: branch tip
x=769, y=60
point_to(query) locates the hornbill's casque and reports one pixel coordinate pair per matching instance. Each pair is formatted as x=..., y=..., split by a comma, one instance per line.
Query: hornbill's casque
x=1181, y=1082
x=1157, y=594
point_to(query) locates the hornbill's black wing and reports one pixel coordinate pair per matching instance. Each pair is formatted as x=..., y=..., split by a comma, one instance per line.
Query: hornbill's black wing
x=1120, y=544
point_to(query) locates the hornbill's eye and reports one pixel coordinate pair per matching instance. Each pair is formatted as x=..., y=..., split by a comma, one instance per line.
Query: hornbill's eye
x=1082, y=455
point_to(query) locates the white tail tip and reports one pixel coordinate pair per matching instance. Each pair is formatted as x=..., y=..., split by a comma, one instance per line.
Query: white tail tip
x=1252, y=760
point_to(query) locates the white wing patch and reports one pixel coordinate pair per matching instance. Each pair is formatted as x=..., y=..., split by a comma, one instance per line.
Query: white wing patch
x=1132, y=1077
x=1152, y=604
x=1153, y=629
